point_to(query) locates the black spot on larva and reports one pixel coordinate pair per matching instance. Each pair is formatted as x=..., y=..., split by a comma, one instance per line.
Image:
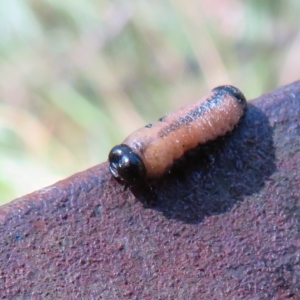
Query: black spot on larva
x=185, y=120
x=148, y=125
x=174, y=126
x=162, y=119
x=164, y=132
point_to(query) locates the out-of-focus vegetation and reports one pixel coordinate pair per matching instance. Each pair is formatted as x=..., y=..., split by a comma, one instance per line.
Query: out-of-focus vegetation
x=77, y=76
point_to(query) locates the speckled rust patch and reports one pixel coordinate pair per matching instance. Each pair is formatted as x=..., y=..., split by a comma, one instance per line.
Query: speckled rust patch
x=226, y=224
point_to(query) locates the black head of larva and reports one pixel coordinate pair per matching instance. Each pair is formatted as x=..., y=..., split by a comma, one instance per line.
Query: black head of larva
x=233, y=91
x=126, y=166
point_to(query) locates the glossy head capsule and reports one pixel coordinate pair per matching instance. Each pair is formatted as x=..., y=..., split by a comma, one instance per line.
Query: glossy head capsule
x=150, y=151
x=125, y=165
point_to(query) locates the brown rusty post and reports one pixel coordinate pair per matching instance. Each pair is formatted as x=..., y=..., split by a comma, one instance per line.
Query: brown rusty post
x=226, y=224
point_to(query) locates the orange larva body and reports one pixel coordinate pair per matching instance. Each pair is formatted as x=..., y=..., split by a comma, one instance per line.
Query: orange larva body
x=158, y=145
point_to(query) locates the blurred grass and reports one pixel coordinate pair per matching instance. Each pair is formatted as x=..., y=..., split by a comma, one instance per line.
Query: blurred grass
x=77, y=76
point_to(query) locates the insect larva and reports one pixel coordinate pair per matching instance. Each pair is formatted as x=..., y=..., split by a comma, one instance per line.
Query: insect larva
x=150, y=151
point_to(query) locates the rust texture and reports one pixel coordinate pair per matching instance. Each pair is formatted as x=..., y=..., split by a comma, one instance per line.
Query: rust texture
x=226, y=224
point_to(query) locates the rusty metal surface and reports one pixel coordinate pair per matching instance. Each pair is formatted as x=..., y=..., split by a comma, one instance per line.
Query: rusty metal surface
x=226, y=224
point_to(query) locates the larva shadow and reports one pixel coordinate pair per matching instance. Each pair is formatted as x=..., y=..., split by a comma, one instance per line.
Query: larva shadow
x=211, y=179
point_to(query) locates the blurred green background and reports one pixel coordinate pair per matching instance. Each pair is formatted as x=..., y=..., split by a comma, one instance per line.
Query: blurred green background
x=77, y=76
